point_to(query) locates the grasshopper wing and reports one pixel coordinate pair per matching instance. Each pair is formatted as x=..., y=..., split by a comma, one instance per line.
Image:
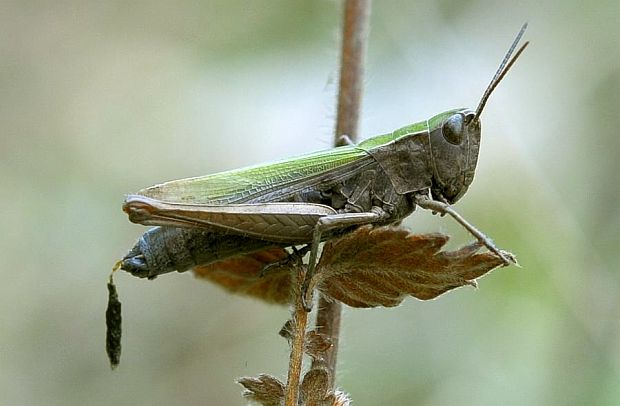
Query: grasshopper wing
x=263, y=183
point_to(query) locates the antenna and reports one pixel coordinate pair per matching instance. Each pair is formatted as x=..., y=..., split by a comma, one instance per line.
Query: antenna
x=502, y=70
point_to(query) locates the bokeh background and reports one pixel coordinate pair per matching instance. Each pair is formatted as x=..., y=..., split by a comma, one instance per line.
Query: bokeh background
x=99, y=99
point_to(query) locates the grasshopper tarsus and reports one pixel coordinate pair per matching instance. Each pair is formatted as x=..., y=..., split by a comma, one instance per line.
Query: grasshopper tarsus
x=307, y=291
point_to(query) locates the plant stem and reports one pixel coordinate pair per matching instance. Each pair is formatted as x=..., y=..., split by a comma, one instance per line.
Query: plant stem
x=300, y=320
x=354, y=40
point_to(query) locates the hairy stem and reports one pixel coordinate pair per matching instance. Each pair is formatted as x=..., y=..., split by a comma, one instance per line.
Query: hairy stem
x=299, y=322
x=354, y=39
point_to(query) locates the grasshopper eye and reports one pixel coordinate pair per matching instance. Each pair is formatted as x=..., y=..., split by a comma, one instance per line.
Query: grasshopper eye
x=452, y=129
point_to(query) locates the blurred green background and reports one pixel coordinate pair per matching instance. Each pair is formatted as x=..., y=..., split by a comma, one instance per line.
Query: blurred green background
x=99, y=99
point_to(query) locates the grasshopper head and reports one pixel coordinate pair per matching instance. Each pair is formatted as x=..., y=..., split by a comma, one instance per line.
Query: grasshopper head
x=454, y=147
x=455, y=138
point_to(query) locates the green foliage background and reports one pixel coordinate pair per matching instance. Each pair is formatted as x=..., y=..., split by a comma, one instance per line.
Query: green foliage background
x=100, y=99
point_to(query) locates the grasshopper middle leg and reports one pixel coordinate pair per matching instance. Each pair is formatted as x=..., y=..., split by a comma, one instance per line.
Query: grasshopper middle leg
x=326, y=224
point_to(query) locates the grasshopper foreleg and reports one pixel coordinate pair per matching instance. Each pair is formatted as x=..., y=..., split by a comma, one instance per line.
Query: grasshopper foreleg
x=443, y=208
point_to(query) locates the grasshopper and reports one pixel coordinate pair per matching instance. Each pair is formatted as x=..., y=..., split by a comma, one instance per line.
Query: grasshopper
x=310, y=198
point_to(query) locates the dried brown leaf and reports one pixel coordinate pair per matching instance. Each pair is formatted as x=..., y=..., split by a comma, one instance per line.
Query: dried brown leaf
x=381, y=266
x=316, y=344
x=315, y=390
x=244, y=275
x=287, y=330
x=265, y=390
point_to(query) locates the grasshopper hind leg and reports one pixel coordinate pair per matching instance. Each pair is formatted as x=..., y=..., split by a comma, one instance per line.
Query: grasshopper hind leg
x=294, y=257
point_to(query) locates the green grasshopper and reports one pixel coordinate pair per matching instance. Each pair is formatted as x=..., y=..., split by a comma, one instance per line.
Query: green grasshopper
x=308, y=199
